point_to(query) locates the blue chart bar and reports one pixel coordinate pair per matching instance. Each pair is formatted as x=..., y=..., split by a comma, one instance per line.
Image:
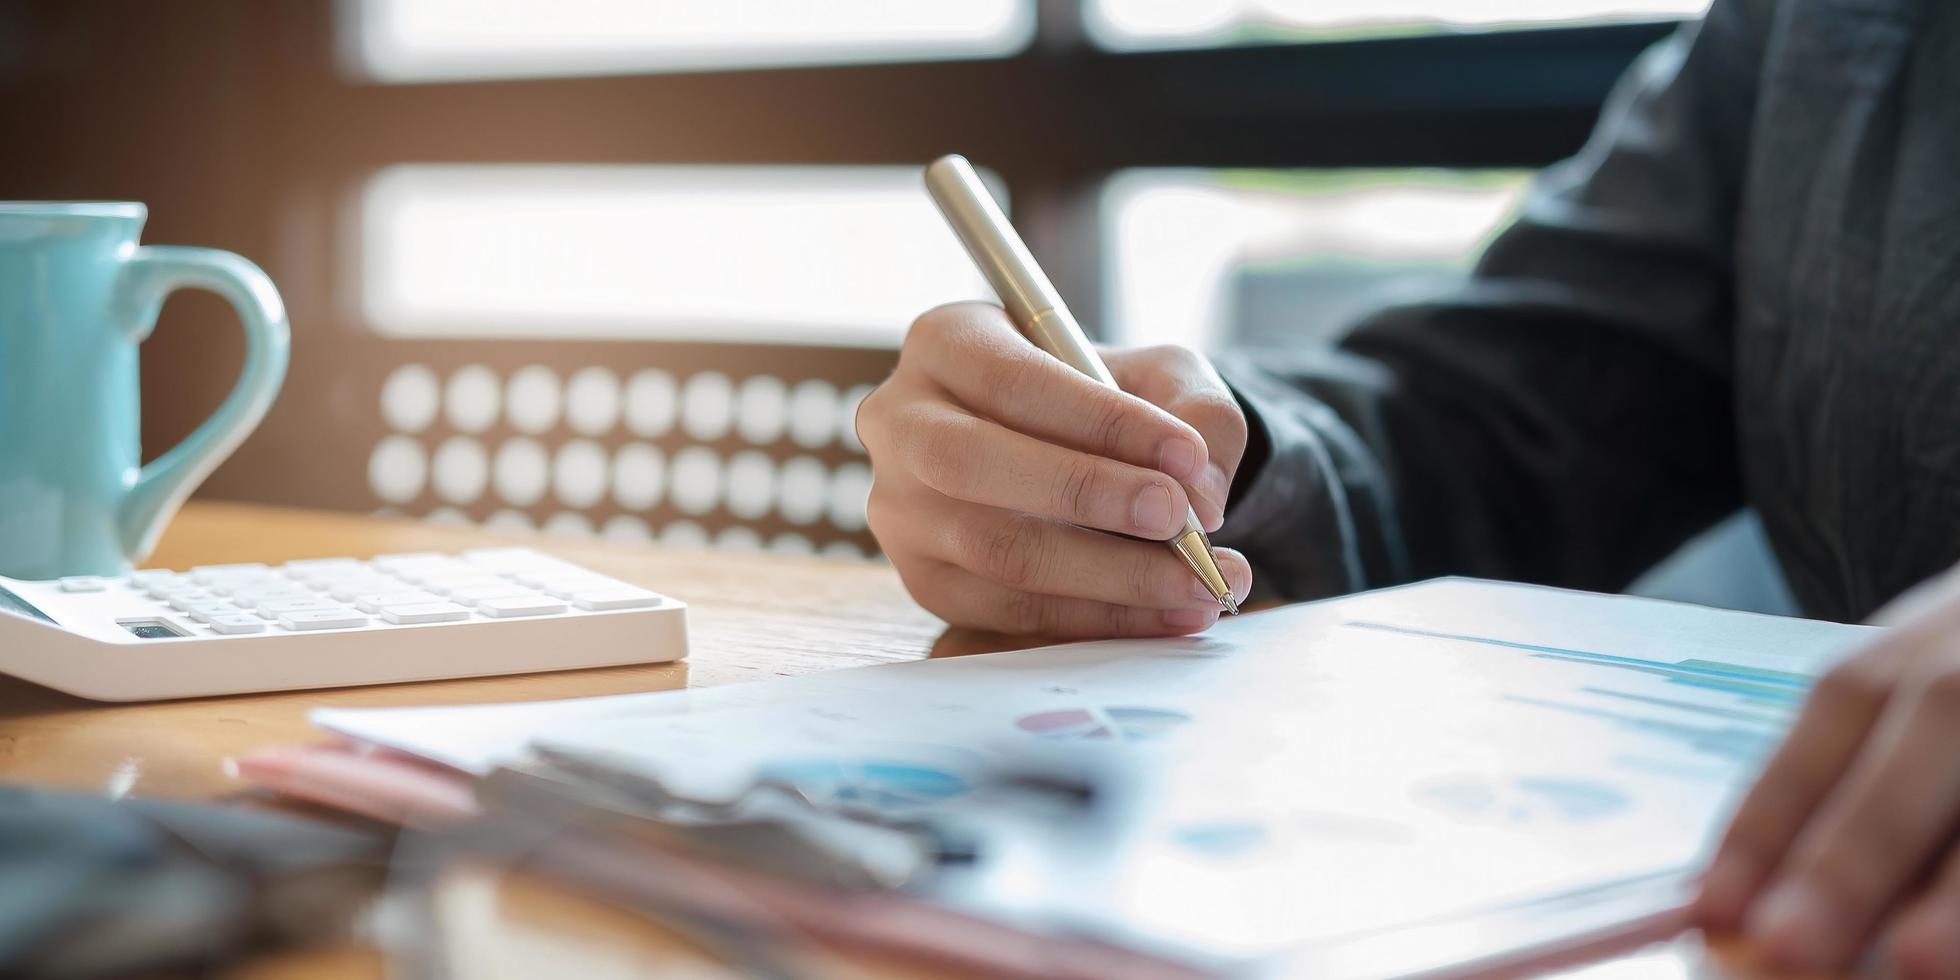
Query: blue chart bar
x=1731, y=714
x=1732, y=733
x=1760, y=692
x=1744, y=745
x=1773, y=686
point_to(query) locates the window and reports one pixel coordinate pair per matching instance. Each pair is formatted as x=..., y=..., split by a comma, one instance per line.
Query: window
x=828, y=256
x=1214, y=258
x=423, y=40
x=1140, y=24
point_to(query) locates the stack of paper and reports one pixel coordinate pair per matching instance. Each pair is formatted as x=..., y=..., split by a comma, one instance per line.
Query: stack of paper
x=1456, y=775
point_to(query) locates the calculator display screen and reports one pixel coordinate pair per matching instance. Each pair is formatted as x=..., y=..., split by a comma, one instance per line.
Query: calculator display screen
x=150, y=629
x=12, y=603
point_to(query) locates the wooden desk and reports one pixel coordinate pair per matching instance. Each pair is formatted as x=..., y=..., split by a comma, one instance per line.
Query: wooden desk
x=751, y=617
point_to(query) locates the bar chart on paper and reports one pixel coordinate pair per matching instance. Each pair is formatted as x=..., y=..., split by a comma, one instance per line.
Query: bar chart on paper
x=1728, y=711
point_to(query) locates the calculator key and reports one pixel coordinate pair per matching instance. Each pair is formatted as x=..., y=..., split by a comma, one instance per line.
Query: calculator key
x=322, y=619
x=425, y=571
x=152, y=576
x=207, y=573
x=389, y=563
x=236, y=623
x=520, y=606
x=183, y=601
x=252, y=597
x=447, y=584
x=432, y=612
x=537, y=578
x=616, y=599
x=350, y=591
x=507, y=555
x=236, y=575
x=163, y=589
x=280, y=607
x=205, y=612
x=317, y=567
x=565, y=588
x=382, y=600
x=476, y=594
x=257, y=583
x=343, y=574
x=84, y=583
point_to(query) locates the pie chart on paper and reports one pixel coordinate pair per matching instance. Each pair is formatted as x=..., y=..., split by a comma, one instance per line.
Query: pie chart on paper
x=1117, y=722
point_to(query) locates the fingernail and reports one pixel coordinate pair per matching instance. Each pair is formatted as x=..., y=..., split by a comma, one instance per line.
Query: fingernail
x=1185, y=619
x=1214, y=487
x=1793, y=927
x=1178, y=459
x=1238, y=571
x=1152, y=511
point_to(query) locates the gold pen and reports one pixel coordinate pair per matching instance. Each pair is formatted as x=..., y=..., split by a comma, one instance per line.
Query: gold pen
x=1035, y=307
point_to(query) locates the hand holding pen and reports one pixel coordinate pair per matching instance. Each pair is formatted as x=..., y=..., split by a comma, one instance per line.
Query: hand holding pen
x=999, y=467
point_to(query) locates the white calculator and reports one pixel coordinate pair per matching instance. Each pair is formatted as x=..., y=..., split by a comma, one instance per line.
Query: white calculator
x=230, y=629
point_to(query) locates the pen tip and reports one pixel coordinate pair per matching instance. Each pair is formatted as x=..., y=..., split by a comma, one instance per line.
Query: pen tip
x=1231, y=604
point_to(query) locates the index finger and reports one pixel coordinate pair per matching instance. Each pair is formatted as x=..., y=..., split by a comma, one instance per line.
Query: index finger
x=974, y=352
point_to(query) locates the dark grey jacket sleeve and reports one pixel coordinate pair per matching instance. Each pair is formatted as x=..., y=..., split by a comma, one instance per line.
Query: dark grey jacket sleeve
x=1566, y=416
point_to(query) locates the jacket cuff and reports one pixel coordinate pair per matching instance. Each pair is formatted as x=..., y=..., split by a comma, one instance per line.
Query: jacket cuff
x=1291, y=517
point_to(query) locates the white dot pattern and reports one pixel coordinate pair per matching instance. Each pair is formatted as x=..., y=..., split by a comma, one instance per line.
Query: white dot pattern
x=696, y=480
x=471, y=398
x=533, y=398
x=800, y=494
x=579, y=474
x=707, y=405
x=651, y=403
x=566, y=524
x=639, y=476
x=751, y=484
x=509, y=522
x=520, y=472
x=410, y=398
x=762, y=409
x=592, y=401
x=738, y=538
x=684, y=534
x=791, y=543
x=813, y=413
x=461, y=470
x=843, y=551
x=847, y=409
x=626, y=529
x=397, y=469
x=850, y=486
x=447, y=517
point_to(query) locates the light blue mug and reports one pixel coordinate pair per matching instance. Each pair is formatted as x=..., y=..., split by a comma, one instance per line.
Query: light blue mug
x=77, y=295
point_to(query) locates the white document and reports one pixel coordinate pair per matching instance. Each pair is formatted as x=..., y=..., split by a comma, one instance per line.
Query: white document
x=1308, y=777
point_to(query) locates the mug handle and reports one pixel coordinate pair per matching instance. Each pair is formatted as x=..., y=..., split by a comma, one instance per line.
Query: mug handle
x=150, y=273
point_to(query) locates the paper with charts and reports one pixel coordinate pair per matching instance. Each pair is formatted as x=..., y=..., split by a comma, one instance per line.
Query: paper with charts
x=1314, y=773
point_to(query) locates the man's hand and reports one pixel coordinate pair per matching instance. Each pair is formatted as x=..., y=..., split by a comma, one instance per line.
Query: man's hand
x=1849, y=837
x=997, y=470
